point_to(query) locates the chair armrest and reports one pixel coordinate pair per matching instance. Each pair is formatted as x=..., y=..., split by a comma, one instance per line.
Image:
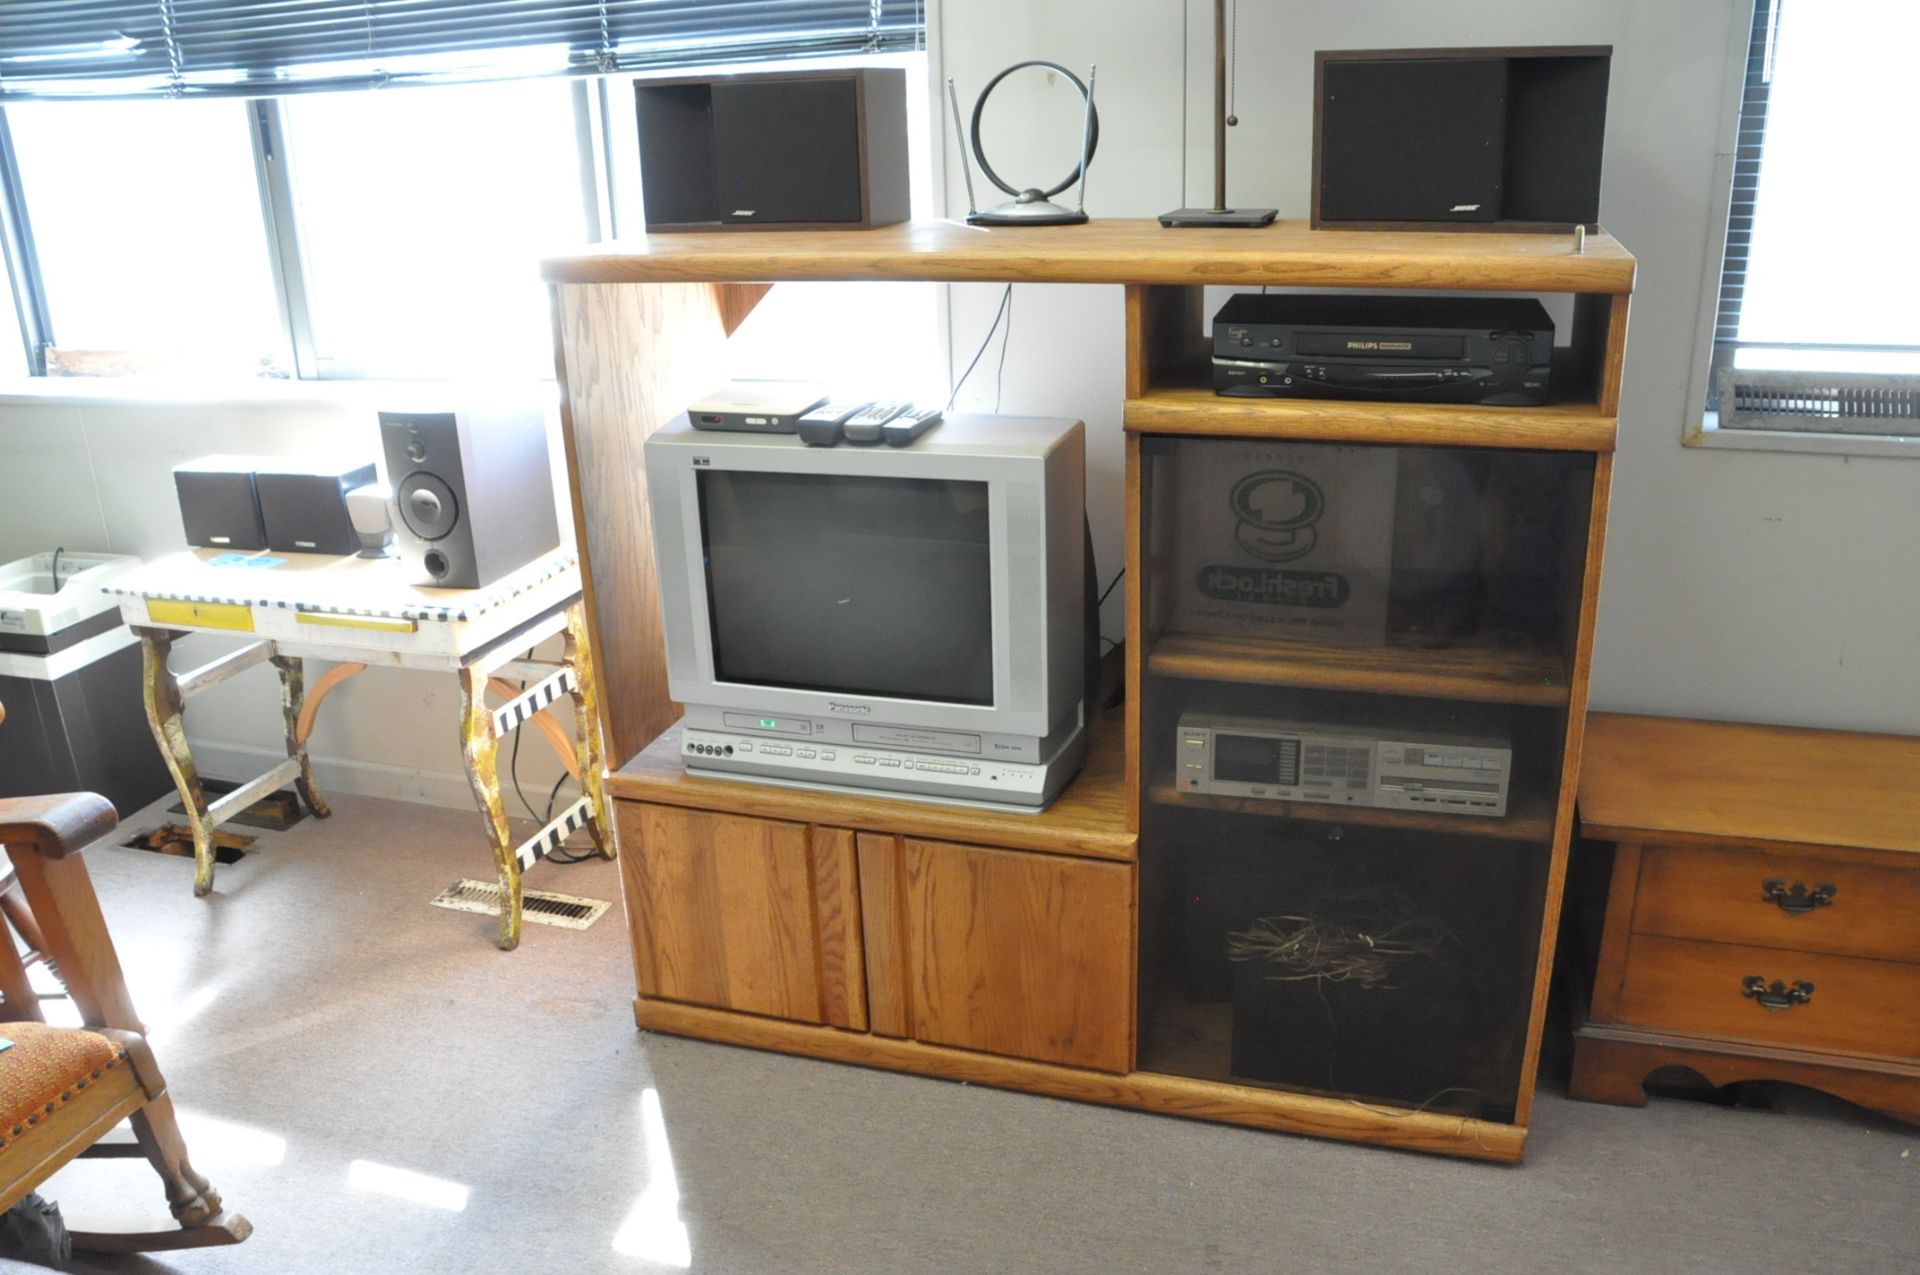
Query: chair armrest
x=55, y=826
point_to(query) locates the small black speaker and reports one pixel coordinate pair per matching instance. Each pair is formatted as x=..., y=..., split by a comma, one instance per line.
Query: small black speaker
x=473, y=496
x=304, y=505
x=811, y=148
x=1484, y=139
x=218, y=504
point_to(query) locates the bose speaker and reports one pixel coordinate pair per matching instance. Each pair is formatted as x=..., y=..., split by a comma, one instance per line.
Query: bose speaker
x=807, y=148
x=472, y=493
x=1481, y=139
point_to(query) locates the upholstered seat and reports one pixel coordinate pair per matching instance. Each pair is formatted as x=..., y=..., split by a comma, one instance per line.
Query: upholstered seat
x=45, y=1068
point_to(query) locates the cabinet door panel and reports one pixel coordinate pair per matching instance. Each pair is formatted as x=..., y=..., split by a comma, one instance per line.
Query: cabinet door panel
x=1029, y=955
x=746, y=914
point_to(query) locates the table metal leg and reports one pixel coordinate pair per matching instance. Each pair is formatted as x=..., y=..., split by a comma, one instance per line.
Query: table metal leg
x=292, y=698
x=480, y=744
x=578, y=655
x=165, y=715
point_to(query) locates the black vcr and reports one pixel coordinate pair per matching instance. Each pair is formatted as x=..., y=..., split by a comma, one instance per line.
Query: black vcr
x=1493, y=350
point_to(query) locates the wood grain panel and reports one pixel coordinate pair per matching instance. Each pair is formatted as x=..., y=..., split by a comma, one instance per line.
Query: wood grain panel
x=721, y=910
x=1616, y=932
x=836, y=905
x=1020, y=954
x=1197, y=410
x=1088, y=819
x=629, y=360
x=1490, y=673
x=889, y=994
x=1113, y=250
x=1857, y=1007
x=1308, y=1114
x=1166, y=333
x=1775, y=787
x=1580, y=674
x=1706, y=893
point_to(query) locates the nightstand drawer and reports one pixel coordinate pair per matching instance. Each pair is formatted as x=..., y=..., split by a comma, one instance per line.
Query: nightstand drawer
x=1854, y=1006
x=1805, y=902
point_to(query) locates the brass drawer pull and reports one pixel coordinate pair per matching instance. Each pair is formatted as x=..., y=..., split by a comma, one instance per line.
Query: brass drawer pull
x=1799, y=900
x=1779, y=996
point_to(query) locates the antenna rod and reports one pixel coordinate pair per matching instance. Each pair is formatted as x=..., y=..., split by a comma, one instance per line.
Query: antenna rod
x=1086, y=137
x=1219, y=105
x=966, y=166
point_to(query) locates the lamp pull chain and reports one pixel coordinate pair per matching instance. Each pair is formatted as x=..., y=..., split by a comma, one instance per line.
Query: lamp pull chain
x=1233, y=67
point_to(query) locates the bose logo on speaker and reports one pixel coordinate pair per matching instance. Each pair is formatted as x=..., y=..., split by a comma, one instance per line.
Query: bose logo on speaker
x=743, y=212
x=1465, y=208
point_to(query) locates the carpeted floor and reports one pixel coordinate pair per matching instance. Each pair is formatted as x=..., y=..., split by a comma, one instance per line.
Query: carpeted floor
x=378, y=1089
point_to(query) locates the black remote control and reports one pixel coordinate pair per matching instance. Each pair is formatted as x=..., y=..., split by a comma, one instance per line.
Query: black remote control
x=820, y=427
x=909, y=425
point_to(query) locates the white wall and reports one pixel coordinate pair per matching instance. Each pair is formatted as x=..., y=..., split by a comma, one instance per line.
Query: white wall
x=1740, y=586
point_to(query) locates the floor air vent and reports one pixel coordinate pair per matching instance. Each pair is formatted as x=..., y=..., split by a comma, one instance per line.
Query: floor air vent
x=1820, y=402
x=564, y=911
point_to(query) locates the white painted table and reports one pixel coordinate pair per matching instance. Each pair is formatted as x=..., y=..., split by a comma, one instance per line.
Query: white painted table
x=364, y=612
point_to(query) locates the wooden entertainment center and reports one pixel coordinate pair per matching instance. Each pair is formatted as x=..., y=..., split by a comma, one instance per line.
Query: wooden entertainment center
x=1084, y=952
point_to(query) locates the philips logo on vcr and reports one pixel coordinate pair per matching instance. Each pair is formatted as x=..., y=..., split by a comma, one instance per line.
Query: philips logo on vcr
x=906, y=619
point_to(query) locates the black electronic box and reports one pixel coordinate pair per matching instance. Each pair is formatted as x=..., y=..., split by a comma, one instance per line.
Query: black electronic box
x=1495, y=350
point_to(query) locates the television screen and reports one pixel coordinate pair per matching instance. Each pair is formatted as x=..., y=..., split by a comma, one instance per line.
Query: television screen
x=864, y=586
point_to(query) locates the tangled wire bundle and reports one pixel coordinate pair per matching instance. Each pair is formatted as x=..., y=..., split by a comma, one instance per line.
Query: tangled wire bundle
x=1365, y=939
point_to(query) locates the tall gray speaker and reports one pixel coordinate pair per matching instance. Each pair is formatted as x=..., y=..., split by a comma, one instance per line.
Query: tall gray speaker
x=472, y=493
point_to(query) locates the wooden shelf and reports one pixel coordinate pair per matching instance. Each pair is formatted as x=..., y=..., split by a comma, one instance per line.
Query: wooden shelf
x=1483, y=672
x=1529, y=816
x=1088, y=820
x=1195, y=409
x=1110, y=250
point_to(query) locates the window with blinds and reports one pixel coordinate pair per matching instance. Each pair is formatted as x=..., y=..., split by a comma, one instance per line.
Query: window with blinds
x=1808, y=335
x=255, y=48
x=258, y=201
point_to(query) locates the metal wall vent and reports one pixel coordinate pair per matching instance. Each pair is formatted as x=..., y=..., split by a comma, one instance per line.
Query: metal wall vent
x=564, y=911
x=1820, y=402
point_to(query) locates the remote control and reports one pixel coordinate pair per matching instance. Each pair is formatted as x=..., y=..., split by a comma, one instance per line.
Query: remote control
x=909, y=425
x=864, y=428
x=821, y=426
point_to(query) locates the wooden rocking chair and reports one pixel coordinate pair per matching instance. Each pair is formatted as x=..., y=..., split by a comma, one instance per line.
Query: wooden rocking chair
x=63, y=1088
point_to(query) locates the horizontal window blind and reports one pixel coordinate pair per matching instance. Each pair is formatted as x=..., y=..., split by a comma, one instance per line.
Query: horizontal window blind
x=256, y=48
x=1746, y=172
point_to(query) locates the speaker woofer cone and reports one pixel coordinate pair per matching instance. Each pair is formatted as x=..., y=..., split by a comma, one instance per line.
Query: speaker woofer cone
x=428, y=506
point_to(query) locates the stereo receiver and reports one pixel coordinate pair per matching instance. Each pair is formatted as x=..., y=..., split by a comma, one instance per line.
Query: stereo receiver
x=1497, y=351
x=1342, y=765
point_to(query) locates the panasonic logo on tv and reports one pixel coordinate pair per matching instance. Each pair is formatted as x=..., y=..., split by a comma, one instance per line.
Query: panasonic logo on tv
x=856, y=710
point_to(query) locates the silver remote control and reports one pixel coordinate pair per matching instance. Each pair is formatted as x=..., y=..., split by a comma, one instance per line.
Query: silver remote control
x=863, y=429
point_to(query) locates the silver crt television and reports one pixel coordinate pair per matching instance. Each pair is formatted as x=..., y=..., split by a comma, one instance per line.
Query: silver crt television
x=905, y=619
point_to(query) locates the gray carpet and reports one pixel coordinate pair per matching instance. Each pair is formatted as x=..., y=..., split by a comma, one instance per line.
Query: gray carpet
x=321, y=1026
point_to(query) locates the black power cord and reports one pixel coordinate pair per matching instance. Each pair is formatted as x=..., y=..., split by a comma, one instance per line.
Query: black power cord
x=1006, y=300
x=558, y=854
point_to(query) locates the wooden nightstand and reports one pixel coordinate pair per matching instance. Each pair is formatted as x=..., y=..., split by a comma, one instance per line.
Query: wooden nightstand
x=1762, y=916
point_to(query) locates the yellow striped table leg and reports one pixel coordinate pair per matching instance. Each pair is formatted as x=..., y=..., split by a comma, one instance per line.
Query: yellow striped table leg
x=578, y=655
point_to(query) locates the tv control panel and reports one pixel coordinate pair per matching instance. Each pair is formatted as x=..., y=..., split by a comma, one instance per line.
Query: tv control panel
x=858, y=768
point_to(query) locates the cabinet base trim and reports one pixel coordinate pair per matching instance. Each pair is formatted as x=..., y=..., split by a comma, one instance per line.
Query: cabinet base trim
x=1611, y=1064
x=1168, y=1095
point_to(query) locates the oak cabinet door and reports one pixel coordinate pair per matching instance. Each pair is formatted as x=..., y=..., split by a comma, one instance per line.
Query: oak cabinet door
x=755, y=915
x=1028, y=955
